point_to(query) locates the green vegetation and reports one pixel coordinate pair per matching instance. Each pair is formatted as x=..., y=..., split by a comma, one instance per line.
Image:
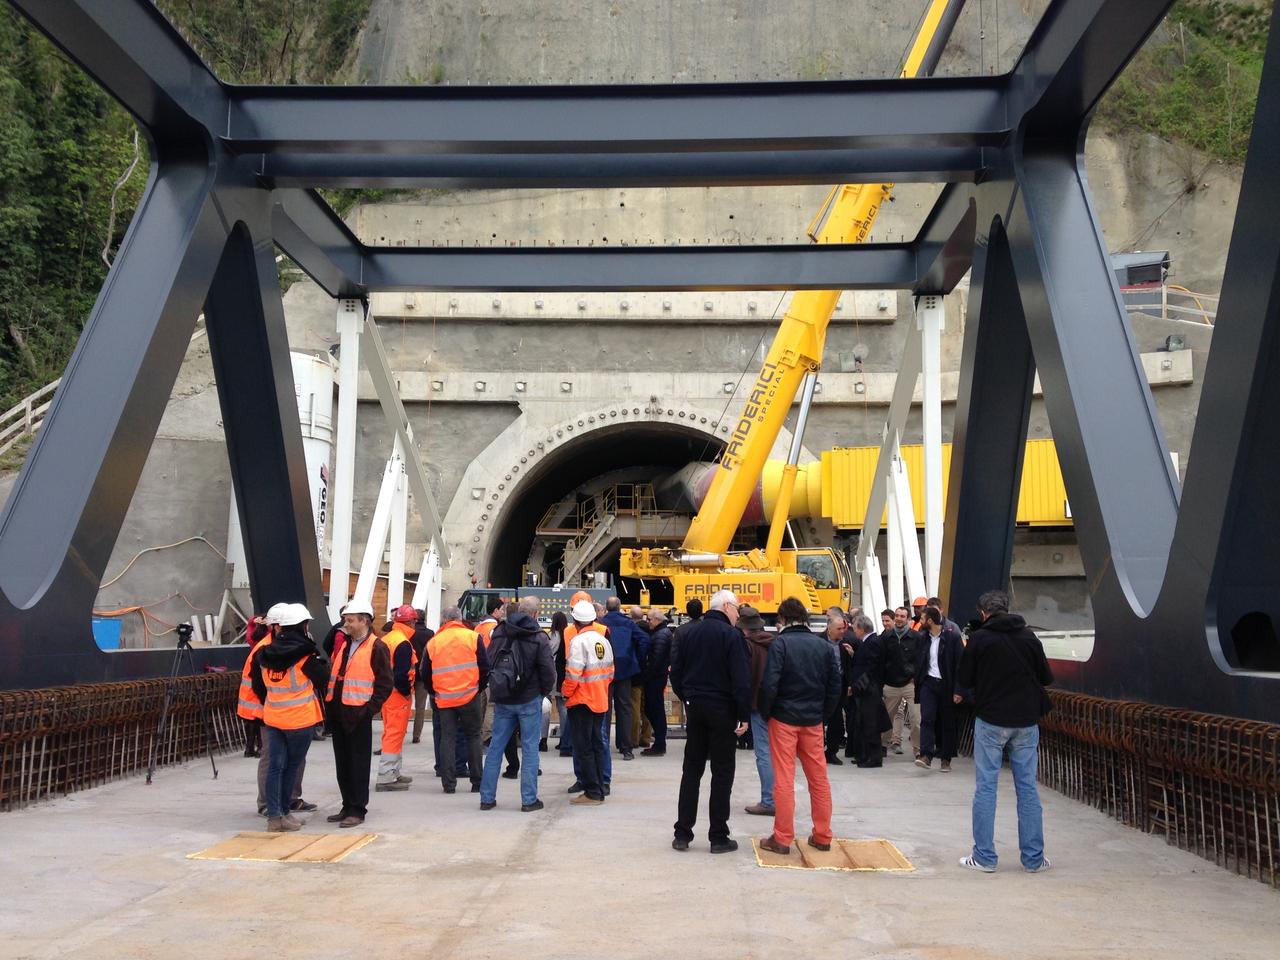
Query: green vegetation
x=1196, y=81
x=65, y=147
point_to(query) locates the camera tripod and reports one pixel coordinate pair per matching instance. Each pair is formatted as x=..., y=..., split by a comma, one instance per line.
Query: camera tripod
x=183, y=652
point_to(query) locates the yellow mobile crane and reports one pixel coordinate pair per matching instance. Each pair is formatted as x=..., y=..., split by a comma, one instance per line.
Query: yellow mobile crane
x=764, y=578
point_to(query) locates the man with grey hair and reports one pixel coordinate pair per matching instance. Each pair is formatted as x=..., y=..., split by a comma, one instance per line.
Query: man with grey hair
x=711, y=676
x=866, y=691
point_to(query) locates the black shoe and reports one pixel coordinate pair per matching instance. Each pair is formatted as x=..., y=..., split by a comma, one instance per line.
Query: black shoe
x=834, y=760
x=850, y=755
x=416, y=740
x=628, y=755
x=606, y=790
x=577, y=787
x=510, y=774
x=302, y=805
x=870, y=764
x=336, y=817
x=475, y=788
x=531, y=807
x=542, y=745
x=724, y=846
x=678, y=844
x=566, y=753
x=377, y=753
x=488, y=806
x=653, y=752
x=450, y=789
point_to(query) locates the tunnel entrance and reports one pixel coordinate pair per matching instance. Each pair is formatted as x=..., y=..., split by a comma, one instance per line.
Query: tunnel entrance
x=623, y=453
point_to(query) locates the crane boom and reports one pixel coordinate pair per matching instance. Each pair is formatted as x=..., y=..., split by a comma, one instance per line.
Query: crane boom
x=846, y=216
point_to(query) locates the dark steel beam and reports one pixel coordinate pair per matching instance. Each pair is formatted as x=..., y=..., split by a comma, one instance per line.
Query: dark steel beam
x=1073, y=56
x=814, y=267
x=993, y=404
x=316, y=239
x=615, y=119
x=141, y=60
x=1115, y=459
x=484, y=171
x=944, y=244
x=249, y=348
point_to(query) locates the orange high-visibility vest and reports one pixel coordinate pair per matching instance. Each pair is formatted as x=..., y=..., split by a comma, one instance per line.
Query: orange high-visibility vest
x=485, y=629
x=572, y=631
x=291, y=699
x=588, y=670
x=250, y=707
x=398, y=634
x=357, y=672
x=455, y=674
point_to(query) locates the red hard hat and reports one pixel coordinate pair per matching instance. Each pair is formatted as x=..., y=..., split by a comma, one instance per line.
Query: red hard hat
x=405, y=614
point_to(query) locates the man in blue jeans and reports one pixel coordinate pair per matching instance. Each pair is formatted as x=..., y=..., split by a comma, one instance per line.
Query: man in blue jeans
x=520, y=637
x=1005, y=667
x=758, y=640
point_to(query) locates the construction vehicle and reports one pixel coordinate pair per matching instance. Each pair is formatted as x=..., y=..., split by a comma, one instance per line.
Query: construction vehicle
x=474, y=602
x=764, y=578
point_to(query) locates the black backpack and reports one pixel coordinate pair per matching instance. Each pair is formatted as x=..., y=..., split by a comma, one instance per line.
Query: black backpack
x=507, y=672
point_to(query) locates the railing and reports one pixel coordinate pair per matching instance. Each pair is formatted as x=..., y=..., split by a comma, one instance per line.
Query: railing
x=1170, y=301
x=24, y=419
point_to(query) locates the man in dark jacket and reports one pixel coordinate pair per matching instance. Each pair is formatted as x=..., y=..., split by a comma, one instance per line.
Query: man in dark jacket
x=936, y=663
x=900, y=644
x=835, y=723
x=626, y=667
x=800, y=689
x=758, y=640
x=656, y=665
x=421, y=635
x=710, y=675
x=351, y=725
x=1005, y=667
x=866, y=687
x=520, y=639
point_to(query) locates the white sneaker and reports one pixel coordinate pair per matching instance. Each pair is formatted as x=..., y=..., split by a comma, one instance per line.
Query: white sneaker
x=1045, y=864
x=971, y=864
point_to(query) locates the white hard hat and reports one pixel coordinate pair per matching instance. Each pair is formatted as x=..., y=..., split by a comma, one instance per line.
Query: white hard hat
x=294, y=614
x=359, y=605
x=274, y=613
x=584, y=611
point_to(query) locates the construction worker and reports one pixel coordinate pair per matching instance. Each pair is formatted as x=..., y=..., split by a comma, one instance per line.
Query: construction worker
x=588, y=676
x=249, y=707
x=917, y=613
x=421, y=634
x=288, y=675
x=585, y=607
x=399, y=706
x=457, y=669
x=359, y=684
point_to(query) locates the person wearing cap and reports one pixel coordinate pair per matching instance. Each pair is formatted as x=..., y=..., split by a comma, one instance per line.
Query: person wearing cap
x=359, y=685
x=399, y=704
x=712, y=677
x=288, y=674
x=456, y=668
x=656, y=666
x=248, y=698
x=584, y=612
x=917, y=613
x=588, y=675
x=758, y=641
x=800, y=689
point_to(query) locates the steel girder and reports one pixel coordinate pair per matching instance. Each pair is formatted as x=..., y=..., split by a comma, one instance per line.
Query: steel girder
x=1171, y=584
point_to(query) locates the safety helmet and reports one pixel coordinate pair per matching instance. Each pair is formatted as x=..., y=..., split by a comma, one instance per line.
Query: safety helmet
x=273, y=614
x=405, y=614
x=359, y=605
x=294, y=614
x=584, y=611
x=579, y=597
x=920, y=602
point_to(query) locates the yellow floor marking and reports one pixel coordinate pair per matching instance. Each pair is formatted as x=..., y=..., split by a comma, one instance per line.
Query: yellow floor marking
x=847, y=856
x=291, y=847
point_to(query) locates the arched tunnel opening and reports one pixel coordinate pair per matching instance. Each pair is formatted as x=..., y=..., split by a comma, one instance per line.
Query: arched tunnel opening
x=619, y=454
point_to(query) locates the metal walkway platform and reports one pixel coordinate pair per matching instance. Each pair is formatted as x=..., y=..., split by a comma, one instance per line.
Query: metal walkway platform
x=104, y=873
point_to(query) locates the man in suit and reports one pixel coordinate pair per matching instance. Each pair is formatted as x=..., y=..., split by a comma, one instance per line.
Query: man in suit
x=937, y=659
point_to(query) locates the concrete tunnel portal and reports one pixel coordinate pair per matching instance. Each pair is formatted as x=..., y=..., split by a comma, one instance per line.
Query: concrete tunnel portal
x=618, y=453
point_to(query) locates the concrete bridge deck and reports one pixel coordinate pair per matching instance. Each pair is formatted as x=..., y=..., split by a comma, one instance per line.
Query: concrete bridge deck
x=104, y=873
